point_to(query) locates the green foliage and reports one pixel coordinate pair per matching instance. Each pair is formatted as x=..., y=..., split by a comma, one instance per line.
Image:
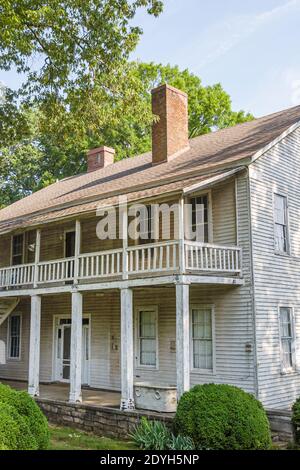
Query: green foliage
x=296, y=419
x=30, y=413
x=15, y=433
x=222, y=417
x=154, y=435
x=71, y=43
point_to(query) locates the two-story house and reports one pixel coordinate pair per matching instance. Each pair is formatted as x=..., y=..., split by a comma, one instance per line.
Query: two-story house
x=125, y=314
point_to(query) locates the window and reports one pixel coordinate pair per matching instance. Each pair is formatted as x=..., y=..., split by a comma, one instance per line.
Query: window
x=199, y=216
x=17, y=249
x=287, y=338
x=14, y=338
x=202, y=338
x=146, y=225
x=147, y=337
x=280, y=220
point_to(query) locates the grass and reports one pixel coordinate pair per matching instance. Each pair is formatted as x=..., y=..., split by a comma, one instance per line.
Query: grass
x=63, y=438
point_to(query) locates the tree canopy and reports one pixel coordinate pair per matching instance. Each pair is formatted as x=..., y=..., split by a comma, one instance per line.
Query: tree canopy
x=81, y=90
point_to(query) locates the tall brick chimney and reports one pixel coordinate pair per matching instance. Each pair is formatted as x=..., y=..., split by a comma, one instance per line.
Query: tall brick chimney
x=170, y=133
x=100, y=157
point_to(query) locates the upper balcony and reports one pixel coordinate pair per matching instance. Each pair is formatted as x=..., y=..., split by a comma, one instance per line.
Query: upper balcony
x=136, y=261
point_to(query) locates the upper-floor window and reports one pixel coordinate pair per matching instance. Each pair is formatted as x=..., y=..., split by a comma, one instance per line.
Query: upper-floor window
x=202, y=338
x=199, y=218
x=281, y=224
x=146, y=225
x=17, y=249
x=147, y=337
x=14, y=337
x=287, y=338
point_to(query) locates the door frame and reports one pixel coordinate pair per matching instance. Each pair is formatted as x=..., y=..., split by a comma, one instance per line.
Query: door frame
x=65, y=239
x=54, y=344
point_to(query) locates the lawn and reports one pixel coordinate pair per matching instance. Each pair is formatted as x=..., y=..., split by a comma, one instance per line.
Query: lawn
x=63, y=438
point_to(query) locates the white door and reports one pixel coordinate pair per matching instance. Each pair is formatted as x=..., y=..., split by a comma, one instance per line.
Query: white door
x=63, y=350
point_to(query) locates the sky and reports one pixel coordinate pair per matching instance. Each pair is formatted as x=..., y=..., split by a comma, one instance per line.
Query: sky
x=250, y=46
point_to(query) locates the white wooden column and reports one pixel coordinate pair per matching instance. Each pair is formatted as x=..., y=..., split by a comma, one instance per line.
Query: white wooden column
x=182, y=339
x=34, y=346
x=37, y=256
x=127, y=399
x=77, y=250
x=181, y=235
x=76, y=346
x=124, y=221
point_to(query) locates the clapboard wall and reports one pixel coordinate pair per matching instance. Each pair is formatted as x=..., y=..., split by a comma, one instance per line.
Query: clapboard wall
x=277, y=277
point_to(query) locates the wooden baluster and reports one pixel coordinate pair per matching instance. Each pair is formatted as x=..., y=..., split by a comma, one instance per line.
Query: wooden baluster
x=107, y=265
x=143, y=260
x=137, y=261
x=161, y=254
x=102, y=265
x=149, y=258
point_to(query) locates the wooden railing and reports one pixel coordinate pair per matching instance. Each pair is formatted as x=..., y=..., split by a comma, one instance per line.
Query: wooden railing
x=102, y=264
x=153, y=257
x=212, y=258
x=144, y=259
x=20, y=275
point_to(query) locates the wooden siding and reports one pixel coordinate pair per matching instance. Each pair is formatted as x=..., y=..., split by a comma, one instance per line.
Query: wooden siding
x=277, y=278
x=224, y=214
x=17, y=369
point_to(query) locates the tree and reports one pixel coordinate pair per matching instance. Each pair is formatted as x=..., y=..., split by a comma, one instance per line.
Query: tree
x=57, y=137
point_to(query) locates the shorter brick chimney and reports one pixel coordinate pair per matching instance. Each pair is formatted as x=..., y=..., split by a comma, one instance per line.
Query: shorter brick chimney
x=170, y=133
x=100, y=157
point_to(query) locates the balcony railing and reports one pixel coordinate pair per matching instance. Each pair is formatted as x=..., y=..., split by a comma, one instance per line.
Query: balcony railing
x=168, y=256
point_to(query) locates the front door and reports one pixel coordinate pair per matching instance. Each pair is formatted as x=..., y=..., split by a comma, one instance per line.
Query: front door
x=63, y=350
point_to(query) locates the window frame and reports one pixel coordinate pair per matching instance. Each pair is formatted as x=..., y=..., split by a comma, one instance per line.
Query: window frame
x=284, y=370
x=138, y=364
x=285, y=196
x=188, y=216
x=9, y=357
x=193, y=369
x=12, y=248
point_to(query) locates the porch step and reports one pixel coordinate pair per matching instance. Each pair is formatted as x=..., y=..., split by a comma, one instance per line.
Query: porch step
x=7, y=306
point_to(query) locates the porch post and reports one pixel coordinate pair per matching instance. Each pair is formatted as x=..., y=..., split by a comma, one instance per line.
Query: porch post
x=182, y=339
x=76, y=345
x=77, y=250
x=127, y=399
x=34, y=346
x=37, y=257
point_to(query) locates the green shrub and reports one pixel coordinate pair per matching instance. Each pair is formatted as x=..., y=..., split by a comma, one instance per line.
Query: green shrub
x=222, y=417
x=154, y=435
x=14, y=431
x=30, y=411
x=296, y=419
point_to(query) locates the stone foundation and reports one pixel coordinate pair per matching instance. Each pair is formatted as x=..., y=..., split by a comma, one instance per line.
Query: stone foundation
x=281, y=424
x=112, y=422
x=101, y=421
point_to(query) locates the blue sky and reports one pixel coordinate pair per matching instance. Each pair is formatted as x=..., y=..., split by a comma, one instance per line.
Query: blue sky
x=251, y=47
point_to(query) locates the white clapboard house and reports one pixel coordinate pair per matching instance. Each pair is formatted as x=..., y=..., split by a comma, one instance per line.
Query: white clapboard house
x=151, y=318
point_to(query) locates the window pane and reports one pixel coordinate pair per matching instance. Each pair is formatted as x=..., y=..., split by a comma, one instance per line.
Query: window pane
x=15, y=323
x=202, y=339
x=200, y=218
x=280, y=209
x=147, y=338
x=280, y=238
x=286, y=333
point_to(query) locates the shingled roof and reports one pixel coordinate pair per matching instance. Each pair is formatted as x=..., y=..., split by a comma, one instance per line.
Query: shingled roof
x=208, y=154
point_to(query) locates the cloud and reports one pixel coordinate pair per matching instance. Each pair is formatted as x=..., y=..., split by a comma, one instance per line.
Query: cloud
x=223, y=36
x=292, y=84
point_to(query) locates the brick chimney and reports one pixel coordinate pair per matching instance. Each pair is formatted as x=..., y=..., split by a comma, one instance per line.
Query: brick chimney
x=100, y=157
x=170, y=133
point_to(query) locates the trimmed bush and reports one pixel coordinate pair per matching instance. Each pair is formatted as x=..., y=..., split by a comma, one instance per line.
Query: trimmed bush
x=30, y=412
x=222, y=417
x=296, y=419
x=14, y=430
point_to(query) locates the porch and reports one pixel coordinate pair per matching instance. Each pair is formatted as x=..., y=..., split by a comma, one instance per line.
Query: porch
x=60, y=392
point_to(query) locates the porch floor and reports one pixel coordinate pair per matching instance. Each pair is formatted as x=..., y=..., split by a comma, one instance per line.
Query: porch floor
x=60, y=392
